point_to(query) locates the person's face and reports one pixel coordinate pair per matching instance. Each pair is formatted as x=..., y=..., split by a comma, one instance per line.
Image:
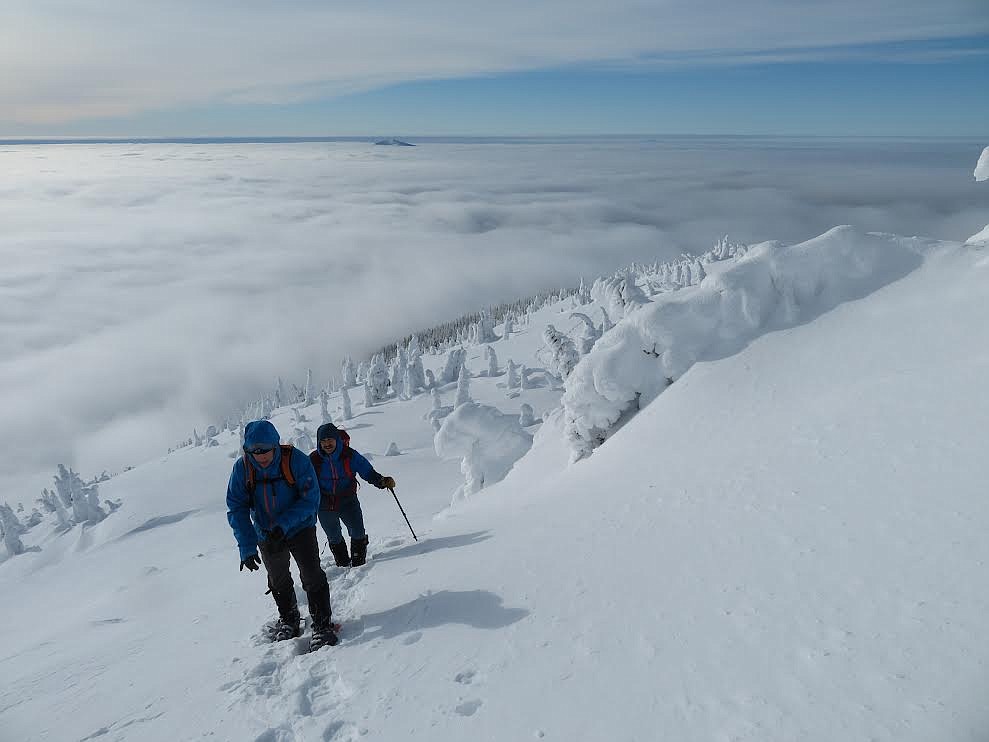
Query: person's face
x=329, y=445
x=263, y=457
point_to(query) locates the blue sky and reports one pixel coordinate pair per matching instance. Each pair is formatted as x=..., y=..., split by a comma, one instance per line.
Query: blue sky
x=851, y=69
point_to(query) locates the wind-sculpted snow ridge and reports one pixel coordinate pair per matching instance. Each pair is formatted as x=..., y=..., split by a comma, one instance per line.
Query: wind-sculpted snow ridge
x=772, y=287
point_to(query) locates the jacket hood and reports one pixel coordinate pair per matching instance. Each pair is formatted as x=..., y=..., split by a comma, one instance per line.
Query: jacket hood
x=260, y=432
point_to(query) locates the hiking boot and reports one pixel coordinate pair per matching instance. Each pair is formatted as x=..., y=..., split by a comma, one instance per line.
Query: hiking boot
x=340, y=555
x=323, y=635
x=358, y=551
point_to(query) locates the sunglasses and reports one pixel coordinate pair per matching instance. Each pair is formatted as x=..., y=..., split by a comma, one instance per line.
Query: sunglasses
x=259, y=450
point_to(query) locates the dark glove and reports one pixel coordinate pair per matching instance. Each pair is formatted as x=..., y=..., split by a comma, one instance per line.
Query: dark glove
x=387, y=483
x=252, y=563
x=276, y=535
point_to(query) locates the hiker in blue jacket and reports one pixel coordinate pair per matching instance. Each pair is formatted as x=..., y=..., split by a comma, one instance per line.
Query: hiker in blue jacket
x=272, y=498
x=337, y=466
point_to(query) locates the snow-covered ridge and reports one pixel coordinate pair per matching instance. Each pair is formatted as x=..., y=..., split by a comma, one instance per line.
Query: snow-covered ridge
x=770, y=288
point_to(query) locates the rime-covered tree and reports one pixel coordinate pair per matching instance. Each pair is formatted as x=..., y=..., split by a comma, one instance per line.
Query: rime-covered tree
x=492, y=358
x=512, y=381
x=368, y=395
x=82, y=498
x=308, y=391
x=589, y=335
x=10, y=530
x=523, y=377
x=345, y=411
x=526, y=417
x=454, y=361
x=324, y=410
x=430, y=379
x=362, y=368
x=508, y=329
x=463, y=387
x=302, y=440
x=280, y=397
x=606, y=323
x=562, y=352
x=348, y=372
x=417, y=377
x=377, y=379
x=485, y=329
x=398, y=367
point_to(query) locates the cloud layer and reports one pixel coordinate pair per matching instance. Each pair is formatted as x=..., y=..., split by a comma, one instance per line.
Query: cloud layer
x=148, y=289
x=64, y=61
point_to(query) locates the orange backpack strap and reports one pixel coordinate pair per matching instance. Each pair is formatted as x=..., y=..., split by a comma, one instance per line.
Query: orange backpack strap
x=287, y=464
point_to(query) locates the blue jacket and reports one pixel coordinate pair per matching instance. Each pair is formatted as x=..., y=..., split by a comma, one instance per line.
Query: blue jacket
x=336, y=472
x=274, y=501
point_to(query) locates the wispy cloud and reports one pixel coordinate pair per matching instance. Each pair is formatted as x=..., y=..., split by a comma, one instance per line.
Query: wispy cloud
x=147, y=289
x=64, y=60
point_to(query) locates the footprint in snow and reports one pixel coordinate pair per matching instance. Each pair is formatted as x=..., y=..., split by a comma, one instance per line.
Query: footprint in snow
x=468, y=708
x=466, y=677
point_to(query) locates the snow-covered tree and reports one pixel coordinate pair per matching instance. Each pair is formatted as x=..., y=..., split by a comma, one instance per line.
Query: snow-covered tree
x=368, y=395
x=81, y=498
x=280, y=396
x=562, y=352
x=345, y=411
x=302, y=440
x=454, y=361
x=298, y=416
x=485, y=329
x=362, y=368
x=377, y=379
x=526, y=417
x=508, y=329
x=492, y=358
x=398, y=368
x=589, y=335
x=197, y=440
x=308, y=391
x=523, y=377
x=487, y=441
x=324, y=409
x=430, y=379
x=348, y=372
x=463, y=387
x=10, y=530
x=512, y=374
x=606, y=323
x=417, y=377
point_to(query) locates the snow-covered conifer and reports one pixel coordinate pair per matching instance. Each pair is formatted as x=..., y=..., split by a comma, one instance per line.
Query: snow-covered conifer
x=324, y=410
x=492, y=358
x=437, y=401
x=454, y=361
x=377, y=379
x=526, y=417
x=362, y=368
x=417, y=377
x=9, y=531
x=606, y=323
x=588, y=336
x=562, y=352
x=348, y=372
x=463, y=387
x=345, y=411
x=523, y=377
x=308, y=391
x=302, y=440
x=485, y=329
x=398, y=373
x=512, y=381
x=509, y=328
x=280, y=397
x=197, y=440
x=430, y=379
x=368, y=395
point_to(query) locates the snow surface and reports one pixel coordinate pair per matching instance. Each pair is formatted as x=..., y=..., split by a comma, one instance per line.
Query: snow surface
x=982, y=167
x=788, y=543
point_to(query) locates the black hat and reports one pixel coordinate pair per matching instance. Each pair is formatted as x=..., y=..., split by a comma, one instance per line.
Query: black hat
x=327, y=430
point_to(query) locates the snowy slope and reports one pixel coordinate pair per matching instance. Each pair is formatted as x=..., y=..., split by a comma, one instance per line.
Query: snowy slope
x=786, y=544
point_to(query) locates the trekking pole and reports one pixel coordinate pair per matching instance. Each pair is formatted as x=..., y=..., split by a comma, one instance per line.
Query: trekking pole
x=403, y=513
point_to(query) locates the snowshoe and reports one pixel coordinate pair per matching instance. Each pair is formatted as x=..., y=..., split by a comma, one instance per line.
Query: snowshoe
x=324, y=636
x=279, y=630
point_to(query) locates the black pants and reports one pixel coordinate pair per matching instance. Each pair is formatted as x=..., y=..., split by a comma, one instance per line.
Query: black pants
x=304, y=548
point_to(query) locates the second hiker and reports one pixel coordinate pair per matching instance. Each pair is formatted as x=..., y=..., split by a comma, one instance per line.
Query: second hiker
x=337, y=465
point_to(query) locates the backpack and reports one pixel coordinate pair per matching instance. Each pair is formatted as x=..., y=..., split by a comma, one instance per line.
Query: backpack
x=251, y=480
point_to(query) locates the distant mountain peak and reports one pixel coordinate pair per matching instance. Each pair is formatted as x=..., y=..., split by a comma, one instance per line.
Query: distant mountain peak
x=393, y=142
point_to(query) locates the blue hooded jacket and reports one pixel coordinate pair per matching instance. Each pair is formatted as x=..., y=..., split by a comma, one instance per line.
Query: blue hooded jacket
x=274, y=502
x=337, y=478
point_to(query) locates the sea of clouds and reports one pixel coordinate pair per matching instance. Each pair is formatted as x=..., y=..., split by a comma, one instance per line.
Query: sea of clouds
x=146, y=289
